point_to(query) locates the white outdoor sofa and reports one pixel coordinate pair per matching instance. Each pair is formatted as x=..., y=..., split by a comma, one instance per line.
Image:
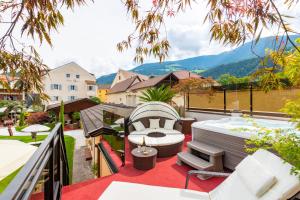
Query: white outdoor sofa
x=261, y=176
x=171, y=140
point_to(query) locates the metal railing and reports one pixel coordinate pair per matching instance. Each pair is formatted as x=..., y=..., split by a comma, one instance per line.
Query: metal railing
x=45, y=172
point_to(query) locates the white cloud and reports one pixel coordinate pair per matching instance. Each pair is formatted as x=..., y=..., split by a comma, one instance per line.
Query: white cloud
x=91, y=33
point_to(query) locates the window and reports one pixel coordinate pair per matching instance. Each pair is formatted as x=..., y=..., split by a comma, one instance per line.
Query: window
x=72, y=87
x=91, y=88
x=54, y=98
x=77, y=76
x=56, y=87
x=68, y=75
x=119, y=77
x=10, y=97
x=72, y=98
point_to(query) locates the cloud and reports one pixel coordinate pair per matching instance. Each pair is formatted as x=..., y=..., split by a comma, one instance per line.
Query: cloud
x=192, y=40
x=91, y=33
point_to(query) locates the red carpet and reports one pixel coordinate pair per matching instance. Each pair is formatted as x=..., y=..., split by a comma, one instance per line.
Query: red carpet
x=166, y=173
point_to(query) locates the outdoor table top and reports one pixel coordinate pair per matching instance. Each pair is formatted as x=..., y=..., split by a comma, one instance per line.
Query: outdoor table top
x=151, y=152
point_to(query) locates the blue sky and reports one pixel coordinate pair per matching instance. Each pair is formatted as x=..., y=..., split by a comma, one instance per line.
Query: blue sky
x=91, y=33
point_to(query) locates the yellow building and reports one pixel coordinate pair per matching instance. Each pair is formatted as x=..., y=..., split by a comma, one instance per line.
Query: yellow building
x=102, y=91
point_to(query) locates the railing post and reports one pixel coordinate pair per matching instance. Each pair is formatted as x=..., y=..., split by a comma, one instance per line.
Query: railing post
x=251, y=99
x=49, y=185
x=188, y=101
x=224, y=91
x=65, y=168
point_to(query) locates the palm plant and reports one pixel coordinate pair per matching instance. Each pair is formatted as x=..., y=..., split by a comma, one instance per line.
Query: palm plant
x=162, y=93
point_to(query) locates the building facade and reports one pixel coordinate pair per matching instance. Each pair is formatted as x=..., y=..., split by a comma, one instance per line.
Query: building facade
x=69, y=82
x=9, y=94
x=102, y=91
x=128, y=91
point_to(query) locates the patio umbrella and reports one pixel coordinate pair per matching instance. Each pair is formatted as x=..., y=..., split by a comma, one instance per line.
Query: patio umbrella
x=33, y=129
x=3, y=109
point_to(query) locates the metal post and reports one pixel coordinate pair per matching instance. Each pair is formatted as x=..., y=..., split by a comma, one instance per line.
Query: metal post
x=49, y=185
x=188, y=101
x=251, y=99
x=224, y=91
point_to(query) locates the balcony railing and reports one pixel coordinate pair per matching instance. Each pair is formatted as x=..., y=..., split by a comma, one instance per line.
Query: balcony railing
x=45, y=172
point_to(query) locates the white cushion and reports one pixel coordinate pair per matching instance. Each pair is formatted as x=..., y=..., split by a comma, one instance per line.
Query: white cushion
x=139, y=126
x=255, y=177
x=121, y=190
x=286, y=186
x=156, y=141
x=161, y=130
x=154, y=123
x=169, y=124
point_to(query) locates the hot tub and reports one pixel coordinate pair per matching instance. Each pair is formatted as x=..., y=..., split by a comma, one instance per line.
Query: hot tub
x=230, y=134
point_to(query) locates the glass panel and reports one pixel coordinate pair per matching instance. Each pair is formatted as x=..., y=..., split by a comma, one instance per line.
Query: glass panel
x=274, y=100
x=238, y=100
x=206, y=101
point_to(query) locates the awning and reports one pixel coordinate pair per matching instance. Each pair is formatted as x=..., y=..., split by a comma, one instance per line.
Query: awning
x=73, y=106
x=92, y=118
x=154, y=109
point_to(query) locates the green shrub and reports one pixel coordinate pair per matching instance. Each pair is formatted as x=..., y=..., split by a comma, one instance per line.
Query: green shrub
x=62, y=114
x=286, y=145
x=95, y=99
x=22, y=119
x=20, y=128
x=76, y=116
x=50, y=125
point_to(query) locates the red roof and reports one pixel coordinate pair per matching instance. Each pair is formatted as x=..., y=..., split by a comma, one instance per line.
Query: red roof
x=186, y=74
x=123, y=85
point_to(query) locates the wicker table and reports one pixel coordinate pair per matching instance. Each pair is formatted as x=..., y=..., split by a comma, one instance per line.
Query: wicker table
x=144, y=161
x=187, y=125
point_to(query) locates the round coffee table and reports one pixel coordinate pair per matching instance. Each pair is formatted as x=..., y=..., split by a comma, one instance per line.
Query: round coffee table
x=144, y=161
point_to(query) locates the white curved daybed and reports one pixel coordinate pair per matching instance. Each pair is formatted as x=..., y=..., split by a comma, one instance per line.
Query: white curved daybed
x=169, y=142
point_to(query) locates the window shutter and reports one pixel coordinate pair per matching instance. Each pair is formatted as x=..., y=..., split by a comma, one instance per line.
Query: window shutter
x=51, y=86
x=60, y=86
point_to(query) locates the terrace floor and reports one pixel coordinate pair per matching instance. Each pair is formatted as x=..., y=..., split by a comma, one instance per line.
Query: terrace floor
x=166, y=173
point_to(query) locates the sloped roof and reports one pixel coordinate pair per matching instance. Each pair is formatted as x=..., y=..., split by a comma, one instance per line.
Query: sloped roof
x=151, y=82
x=129, y=74
x=73, y=105
x=123, y=85
x=92, y=118
x=183, y=74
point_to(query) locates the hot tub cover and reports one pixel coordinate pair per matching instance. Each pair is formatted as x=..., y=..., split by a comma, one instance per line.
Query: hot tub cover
x=154, y=109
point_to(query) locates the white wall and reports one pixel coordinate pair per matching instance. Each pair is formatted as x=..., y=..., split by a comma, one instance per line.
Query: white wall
x=127, y=98
x=58, y=76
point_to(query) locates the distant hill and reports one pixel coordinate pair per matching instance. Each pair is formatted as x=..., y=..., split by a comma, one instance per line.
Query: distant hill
x=204, y=63
x=238, y=69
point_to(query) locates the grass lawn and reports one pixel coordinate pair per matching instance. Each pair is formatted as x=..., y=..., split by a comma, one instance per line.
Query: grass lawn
x=4, y=182
x=69, y=141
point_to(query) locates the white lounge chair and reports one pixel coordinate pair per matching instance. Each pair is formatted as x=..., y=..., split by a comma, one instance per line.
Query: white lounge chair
x=262, y=176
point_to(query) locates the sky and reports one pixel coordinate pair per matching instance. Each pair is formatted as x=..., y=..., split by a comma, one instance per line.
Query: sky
x=91, y=32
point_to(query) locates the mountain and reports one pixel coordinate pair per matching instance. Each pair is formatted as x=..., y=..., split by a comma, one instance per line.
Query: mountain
x=238, y=69
x=206, y=62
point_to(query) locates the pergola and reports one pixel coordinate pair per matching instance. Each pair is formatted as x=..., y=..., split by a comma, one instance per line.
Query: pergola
x=72, y=106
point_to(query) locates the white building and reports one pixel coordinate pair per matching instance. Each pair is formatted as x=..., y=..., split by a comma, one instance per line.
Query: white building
x=69, y=82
